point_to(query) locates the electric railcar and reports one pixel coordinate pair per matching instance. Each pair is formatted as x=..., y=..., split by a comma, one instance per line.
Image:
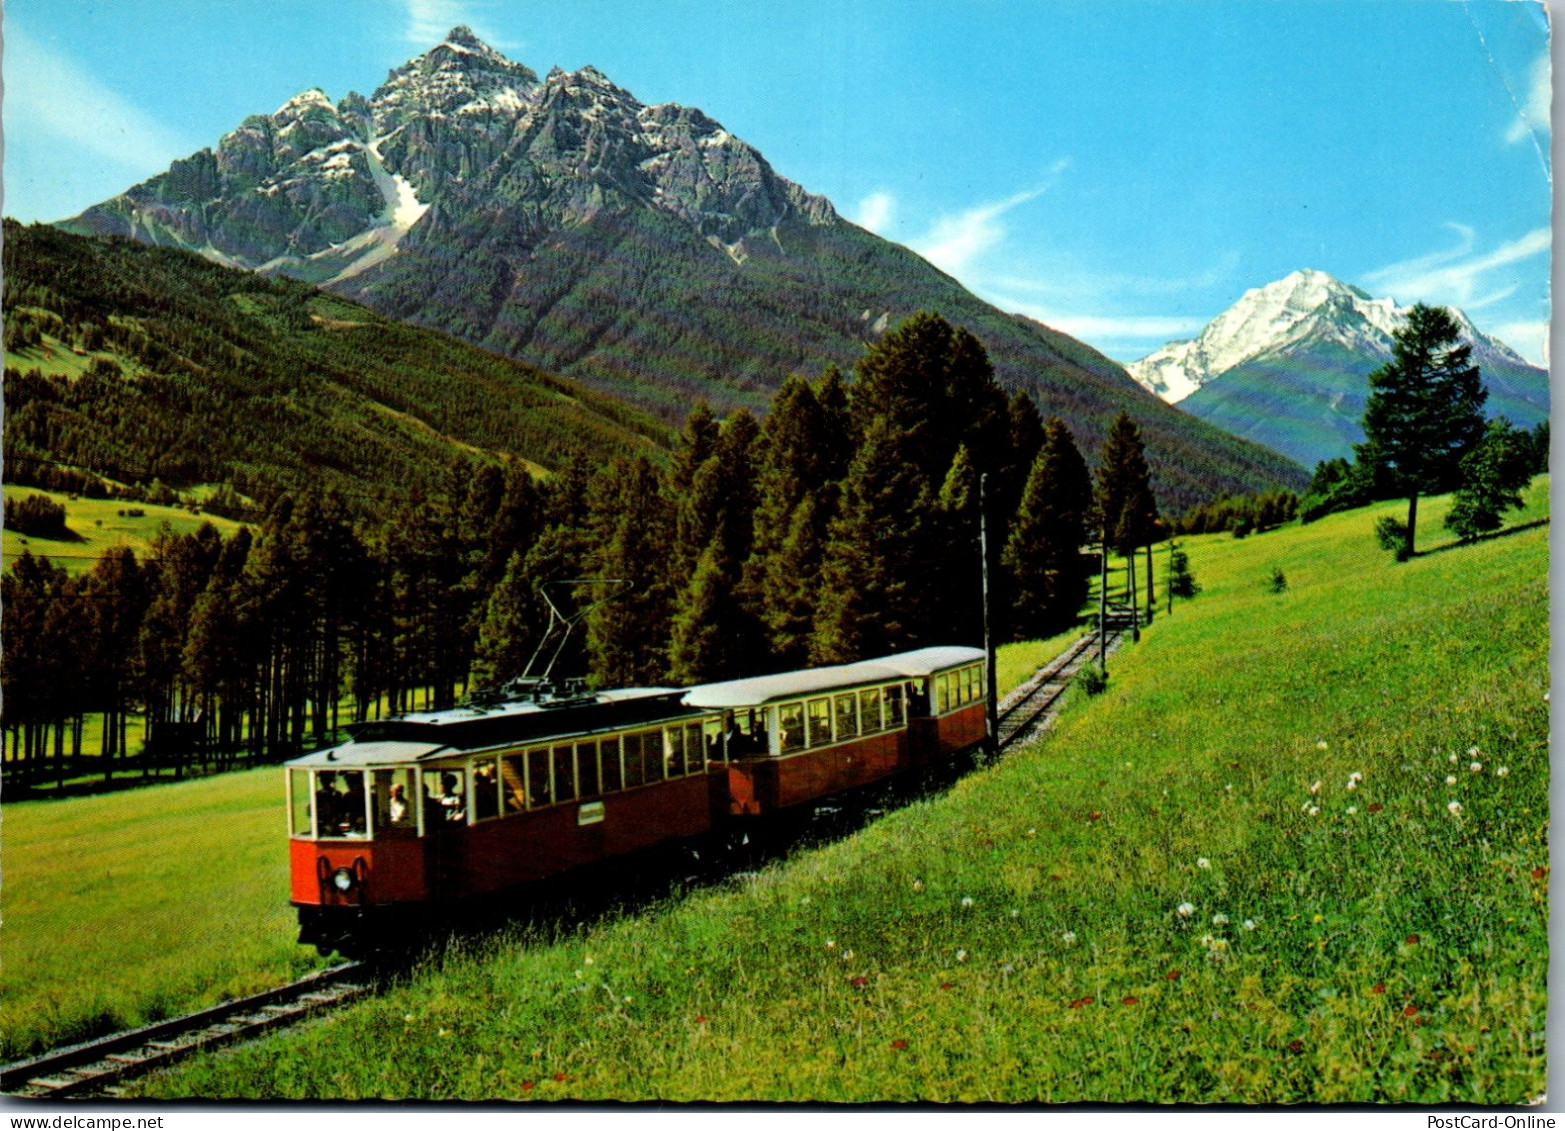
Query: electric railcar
x=437, y=809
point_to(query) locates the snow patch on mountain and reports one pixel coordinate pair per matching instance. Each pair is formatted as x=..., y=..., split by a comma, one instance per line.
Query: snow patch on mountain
x=1308, y=307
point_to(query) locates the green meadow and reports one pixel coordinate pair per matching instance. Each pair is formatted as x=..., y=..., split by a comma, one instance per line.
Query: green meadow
x=99, y=525
x=128, y=907
x=1296, y=852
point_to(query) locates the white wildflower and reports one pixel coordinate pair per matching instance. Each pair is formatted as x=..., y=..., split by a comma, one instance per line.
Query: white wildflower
x=1455, y=807
x=1476, y=767
x=1315, y=810
x=1352, y=809
x=1452, y=759
x=1015, y=914
x=1501, y=771
x=967, y=901
x=961, y=956
x=1352, y=784
x=1249, y=924
x=1185, y=910
x=1068, y=938
x=918, y=885
x=1450, y=779
x=1321, y=745
x=1314, y=789
x=831, y=944
x=1472, y=751
x=1229, y=787
x=1355, y=776
x=1219, y=920
x=1203, y=863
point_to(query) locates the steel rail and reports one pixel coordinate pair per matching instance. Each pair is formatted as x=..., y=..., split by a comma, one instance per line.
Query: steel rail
x=99, y=1065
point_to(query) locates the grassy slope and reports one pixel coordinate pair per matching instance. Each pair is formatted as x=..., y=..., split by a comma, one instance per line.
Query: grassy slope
x=131, y=906
x=100, y=526
x=1378, y=949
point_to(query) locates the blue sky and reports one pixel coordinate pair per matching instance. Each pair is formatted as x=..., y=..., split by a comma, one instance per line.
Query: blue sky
x=1123, y=171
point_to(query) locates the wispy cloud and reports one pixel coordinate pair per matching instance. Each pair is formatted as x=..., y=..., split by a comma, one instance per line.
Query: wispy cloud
x=1064, y=280
x=428, y=21
x=1123, y=336
x=1532, y=116
x=953, y=243
x=1459, y=275
x=1530, y=339
x=875, y=211
x=49, y=94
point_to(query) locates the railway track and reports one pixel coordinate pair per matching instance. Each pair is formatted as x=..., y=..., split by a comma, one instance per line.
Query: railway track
x=98, y=1067
x=1026, y=707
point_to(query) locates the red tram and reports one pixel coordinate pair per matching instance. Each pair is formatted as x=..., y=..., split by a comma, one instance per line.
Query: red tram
x=436, y=809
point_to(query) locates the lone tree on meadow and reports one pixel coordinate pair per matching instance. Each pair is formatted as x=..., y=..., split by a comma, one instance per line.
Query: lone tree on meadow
x=1425, y=408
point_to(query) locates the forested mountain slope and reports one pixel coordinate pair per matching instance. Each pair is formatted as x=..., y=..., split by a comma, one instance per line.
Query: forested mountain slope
x=141, y=363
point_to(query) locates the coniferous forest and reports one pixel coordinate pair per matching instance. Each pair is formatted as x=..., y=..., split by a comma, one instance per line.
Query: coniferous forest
x=844, y=525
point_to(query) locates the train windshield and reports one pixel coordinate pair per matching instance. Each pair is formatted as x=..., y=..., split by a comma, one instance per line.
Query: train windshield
x=299, y=802
x=339, y=804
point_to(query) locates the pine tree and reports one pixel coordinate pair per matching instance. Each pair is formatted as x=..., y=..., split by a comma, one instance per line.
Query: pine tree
x=1425, y=409
x=1043, y=556
x=1494, y=474
x=875, y=594
x=631, y=530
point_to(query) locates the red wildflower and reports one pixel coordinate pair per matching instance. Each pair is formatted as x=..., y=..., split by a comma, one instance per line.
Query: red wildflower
x=527, y=1085
x=899, y=1043
x=1128, y=1001
x=1088, y=1000
x=945, y=985
x=1410, y=1010
x=1094, y=815
x=1539, y=872
x=861, y=981
x=1375, y=806
x=1295, y=1047
x=1411, y=940
x=1380, y=988
x=1054, y=877
x=559, y=1077
x=700, y=1019
x=1173, y=975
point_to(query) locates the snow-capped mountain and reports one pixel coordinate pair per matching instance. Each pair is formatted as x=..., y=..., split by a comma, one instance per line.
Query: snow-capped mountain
x=324, y=191
x=1288, y=366
x=1307, y=306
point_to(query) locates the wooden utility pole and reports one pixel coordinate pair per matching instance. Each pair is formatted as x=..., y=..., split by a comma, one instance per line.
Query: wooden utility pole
x=991, y=705
x=1103, y=603
x=1151, y=588
x=1135, y=601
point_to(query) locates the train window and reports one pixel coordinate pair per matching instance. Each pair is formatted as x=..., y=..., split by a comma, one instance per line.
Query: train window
x=634, y=774
x=674, y=752
x=790, y=724
x=538, y=777
x=820, y=722
x=486, y=790
x=869, y=710
x=943, y=693
x=299, y=802
x=846, y=713
x=564, y=772
x=712, y=738
x=695, y=749
x=746, y=733
x=513, y=783
x=392, y=794
x=608, y=755
x=978, y=680
x=893, y=701
x=652, y=754
x=339, y=803
x=445, y=798
x=586, y=769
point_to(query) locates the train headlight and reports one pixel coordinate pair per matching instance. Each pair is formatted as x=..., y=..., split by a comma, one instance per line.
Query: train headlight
x=343, y=879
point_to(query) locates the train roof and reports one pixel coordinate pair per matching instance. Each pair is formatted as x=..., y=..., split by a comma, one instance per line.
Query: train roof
x=926, y=661
x=433, y=734
x=789, y=685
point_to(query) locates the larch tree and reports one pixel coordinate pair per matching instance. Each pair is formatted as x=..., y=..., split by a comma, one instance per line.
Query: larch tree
x=1425, y=409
